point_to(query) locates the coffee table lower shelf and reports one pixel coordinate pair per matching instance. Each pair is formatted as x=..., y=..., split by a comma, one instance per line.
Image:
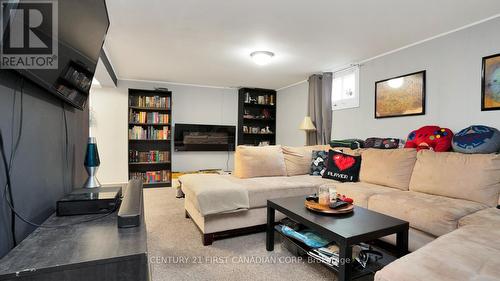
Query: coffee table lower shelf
x=301, y=249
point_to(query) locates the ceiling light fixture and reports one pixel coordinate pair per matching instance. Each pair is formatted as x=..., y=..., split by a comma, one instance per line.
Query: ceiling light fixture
x=262, y=57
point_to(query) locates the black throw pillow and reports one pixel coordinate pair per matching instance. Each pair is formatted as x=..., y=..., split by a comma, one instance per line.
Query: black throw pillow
x=342, y=167
x=318, y=164
x=383, y=143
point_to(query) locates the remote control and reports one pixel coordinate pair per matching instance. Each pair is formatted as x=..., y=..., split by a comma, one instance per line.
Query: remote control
x=338, y=204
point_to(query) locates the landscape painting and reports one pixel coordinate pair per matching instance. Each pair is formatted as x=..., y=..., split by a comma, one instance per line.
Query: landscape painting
x=400, y=96
x=490, y=98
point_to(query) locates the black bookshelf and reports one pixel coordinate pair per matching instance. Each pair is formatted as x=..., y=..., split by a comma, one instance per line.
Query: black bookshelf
x=156, y=117
x=256, y=109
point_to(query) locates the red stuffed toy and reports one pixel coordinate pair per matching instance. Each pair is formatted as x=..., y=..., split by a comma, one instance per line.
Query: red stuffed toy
x=430, y=137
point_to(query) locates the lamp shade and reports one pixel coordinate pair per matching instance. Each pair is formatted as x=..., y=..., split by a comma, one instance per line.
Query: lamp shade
x=307, y=124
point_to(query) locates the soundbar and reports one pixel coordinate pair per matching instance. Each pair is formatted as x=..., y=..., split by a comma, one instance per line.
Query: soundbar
x=131, y=209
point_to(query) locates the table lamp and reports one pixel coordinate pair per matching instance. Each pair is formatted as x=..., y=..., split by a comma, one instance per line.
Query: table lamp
x=92, y=163
x=307, y=124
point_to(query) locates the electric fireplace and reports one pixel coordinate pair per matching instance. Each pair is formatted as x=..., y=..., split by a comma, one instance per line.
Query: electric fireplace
x=193, y=137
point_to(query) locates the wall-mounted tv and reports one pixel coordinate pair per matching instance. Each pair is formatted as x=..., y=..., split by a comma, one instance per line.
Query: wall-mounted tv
x=71, y=32
x=193, y=137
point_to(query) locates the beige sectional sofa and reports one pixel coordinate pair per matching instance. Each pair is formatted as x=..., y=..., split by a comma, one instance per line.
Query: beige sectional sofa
x=445, y=195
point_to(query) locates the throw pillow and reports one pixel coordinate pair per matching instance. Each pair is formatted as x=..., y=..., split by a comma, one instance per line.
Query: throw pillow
x=350, y=143
x=383, y=143
x=342, y=167
x=318, y=164
x=477, y=139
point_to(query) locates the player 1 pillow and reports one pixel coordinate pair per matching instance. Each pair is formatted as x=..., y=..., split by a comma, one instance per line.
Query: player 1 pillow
x=342, y=167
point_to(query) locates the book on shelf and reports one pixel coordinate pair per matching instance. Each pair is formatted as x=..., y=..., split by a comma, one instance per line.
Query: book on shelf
x=149, y=133
x=152, y=156
x=148, y=117
x=162, y=176
x=150, y=101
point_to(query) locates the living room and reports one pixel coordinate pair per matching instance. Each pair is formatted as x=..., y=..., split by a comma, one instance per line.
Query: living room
x=207, y=140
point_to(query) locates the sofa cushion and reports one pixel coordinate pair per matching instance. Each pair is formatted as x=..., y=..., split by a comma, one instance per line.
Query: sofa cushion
x=462, y=255
x=262, y=161
x=474, y=177
x=490, y=216
x=433, y=214
x=359, y=191
x=298, y=159
x=262, y=189
x=214, y=194
x=416, y=239
x=391, y=167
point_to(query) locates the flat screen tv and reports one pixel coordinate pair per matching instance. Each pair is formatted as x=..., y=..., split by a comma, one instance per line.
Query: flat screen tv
x=79, y=37
x=193, y=137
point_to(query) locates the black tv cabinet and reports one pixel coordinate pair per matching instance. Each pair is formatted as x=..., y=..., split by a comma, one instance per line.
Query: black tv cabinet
x=97, y=251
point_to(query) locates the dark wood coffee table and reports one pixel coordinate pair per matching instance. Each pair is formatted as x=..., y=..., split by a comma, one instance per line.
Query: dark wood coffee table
x=362, y=225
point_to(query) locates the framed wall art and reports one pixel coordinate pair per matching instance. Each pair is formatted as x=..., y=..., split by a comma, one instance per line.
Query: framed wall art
x=490, y=83
x=400, y=96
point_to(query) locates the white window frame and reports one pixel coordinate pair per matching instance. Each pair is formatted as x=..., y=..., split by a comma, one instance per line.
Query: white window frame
x=349, y=102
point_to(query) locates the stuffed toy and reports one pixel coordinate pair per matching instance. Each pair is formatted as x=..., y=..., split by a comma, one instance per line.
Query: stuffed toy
x=430, y=137
x=477, y=139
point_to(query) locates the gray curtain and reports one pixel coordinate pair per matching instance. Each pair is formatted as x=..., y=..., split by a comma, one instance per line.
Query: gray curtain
x=320, y=108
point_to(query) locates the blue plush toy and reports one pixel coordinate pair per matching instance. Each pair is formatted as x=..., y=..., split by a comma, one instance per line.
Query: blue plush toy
x=477, y=139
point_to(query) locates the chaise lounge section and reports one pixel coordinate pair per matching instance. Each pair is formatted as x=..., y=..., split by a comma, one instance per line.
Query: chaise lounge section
x=260, y=174
x=249, y=218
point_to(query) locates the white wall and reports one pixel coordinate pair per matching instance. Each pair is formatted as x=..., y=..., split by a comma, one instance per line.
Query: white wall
x=453, y=64
x=190, y=104
x=291, y=110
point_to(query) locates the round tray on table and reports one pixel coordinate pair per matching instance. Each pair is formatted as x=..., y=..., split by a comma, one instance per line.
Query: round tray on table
x=316, y=207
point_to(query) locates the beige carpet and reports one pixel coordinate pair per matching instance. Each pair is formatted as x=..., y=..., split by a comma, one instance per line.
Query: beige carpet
x=176, y=252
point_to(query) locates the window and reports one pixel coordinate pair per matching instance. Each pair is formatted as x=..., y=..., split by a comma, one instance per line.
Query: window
x=345, y=88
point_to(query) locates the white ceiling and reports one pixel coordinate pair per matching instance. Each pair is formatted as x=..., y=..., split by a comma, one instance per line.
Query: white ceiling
x=208, y=42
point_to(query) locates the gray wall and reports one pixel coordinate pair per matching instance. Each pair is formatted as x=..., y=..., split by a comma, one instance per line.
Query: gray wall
x=291, y=110
x=453, y=64
x=39, y=174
